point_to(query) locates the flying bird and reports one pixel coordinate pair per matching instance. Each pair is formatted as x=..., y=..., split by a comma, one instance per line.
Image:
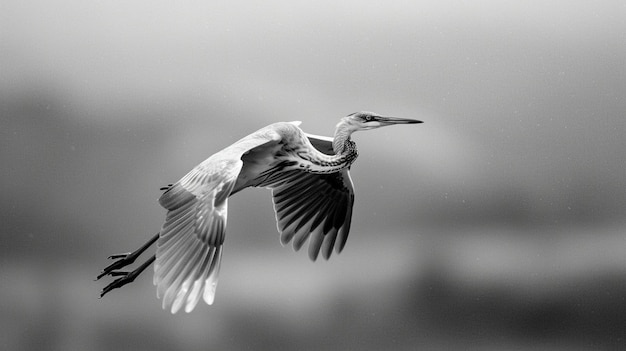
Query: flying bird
x=311, y=189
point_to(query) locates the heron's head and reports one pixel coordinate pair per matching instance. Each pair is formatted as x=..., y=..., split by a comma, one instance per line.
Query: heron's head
x=369, y=120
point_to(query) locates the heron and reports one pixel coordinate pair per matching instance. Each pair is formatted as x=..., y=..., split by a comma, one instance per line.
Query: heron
x=312, y=193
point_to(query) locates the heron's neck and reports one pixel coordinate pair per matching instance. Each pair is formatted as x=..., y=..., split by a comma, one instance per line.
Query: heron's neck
x=345, y=149
x=314, y=161
x=341, y=140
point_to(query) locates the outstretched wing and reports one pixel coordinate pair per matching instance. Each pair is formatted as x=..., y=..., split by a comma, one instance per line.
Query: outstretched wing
x=189, y=248
x=315, y=206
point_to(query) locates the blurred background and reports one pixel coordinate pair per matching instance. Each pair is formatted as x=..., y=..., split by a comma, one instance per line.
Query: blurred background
x=497, y=224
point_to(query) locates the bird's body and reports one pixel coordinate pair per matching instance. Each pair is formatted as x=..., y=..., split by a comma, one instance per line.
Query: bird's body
x=312, y=194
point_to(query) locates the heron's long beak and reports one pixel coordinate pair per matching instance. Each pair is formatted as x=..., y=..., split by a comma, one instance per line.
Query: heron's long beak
x=387, y=121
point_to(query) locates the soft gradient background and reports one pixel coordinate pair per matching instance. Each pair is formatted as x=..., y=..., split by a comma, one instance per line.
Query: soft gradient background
x=497, y=224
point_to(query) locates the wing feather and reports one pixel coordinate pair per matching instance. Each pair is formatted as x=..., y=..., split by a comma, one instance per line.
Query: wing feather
x=314, y=207
x=309, y=212
x=302, y=209
x=191, y=235
x=189, y=248
x=322, y=213
x=342, y=235
x=327, y=245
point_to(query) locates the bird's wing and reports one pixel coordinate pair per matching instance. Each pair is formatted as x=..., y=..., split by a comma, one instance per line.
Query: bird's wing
x=189, y=248
x=312, y=205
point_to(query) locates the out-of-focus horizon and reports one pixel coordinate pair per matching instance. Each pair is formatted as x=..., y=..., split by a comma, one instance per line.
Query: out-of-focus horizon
x=497, y=224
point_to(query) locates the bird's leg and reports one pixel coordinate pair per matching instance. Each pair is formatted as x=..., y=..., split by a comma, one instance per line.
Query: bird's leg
x=126, y=259
x=126, y=277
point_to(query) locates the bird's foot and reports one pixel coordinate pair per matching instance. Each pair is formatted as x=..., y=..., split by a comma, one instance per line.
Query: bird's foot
x=116, y=256
x=123, y=260
x=126, y=277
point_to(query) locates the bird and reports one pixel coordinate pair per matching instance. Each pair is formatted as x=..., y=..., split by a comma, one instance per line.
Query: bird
x=312, y=194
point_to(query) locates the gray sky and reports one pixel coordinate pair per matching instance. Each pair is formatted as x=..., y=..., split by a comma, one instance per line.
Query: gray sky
x=516, y=95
